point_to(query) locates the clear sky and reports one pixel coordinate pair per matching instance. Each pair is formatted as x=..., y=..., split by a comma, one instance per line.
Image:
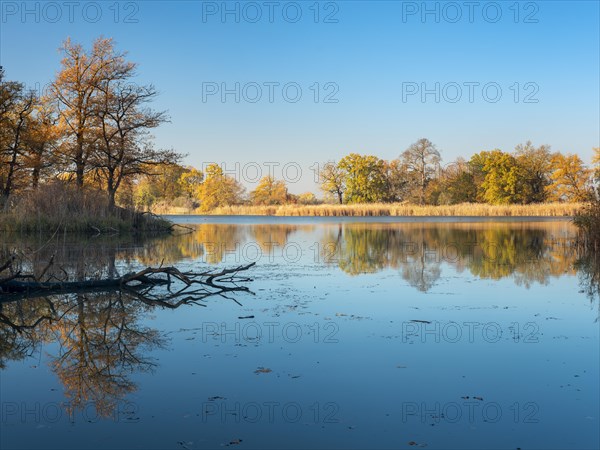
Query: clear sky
x=506, y=72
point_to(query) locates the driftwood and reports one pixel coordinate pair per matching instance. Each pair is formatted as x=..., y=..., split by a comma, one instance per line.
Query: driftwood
x=178, y=287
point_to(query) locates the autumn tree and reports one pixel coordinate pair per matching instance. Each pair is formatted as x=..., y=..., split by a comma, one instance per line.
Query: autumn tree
x=596, y=163
x=17, y=106
x=536, y=166
x=475, y=167
x=503, y=178
x=458, y=184
x=307, y=198
x=166, y=181
x=41, y=141
x=190, y=181
x=169, y=184
x=398, y=181
x=366, y=179
x=421, y=160
x=570, y=179
x=269, y=191
x=218, y=189
x=333, y=180
x=124, y=150
x=74, y=91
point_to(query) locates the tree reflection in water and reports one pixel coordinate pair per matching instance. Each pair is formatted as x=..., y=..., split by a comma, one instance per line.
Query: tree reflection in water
x=101, y=339
x=102, y=343
x=528, y=253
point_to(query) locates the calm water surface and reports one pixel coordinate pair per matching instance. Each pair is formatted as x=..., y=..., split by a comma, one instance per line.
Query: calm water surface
x=357, y=334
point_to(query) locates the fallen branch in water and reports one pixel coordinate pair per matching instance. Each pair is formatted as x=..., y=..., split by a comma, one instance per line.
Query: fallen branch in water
x=179, y=287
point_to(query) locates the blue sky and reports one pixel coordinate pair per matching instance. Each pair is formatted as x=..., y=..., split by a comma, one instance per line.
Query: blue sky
x=369, y=56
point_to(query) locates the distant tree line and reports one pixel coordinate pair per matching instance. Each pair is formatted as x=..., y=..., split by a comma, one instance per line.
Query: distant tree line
x=530, y=174
x=190, y=188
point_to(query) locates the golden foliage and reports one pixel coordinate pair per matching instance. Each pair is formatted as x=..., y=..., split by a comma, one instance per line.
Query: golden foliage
x=570, y=179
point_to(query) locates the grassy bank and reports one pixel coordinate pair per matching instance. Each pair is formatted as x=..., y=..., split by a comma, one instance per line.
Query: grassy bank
x=395, y=209
x=60, y=208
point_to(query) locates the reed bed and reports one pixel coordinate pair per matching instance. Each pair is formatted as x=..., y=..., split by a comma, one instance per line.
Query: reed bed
x=402, y=209
x=587, y=221
x=58, y=207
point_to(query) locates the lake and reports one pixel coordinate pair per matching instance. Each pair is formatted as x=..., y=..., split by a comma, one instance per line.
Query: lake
x=355, y=333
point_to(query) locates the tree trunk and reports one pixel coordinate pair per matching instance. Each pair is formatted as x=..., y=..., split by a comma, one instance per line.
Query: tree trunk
x=35, y=177
x=79, y=171
x=423, y=185
x=111, y=199
x=111, y=189
x=79, y=161
x=9, y=177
